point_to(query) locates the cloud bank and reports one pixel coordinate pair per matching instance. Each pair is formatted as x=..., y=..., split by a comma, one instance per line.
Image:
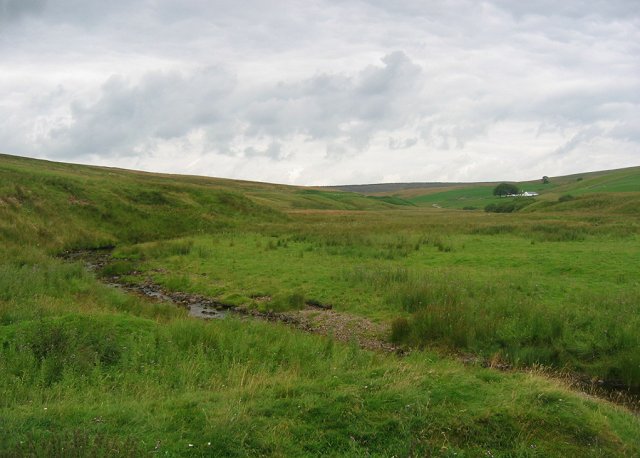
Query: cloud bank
x=324, y=92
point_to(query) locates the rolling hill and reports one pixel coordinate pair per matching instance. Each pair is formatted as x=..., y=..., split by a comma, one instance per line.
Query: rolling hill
x=478, y=195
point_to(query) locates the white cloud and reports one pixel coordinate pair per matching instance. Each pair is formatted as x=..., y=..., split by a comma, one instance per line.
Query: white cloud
x=324, y=92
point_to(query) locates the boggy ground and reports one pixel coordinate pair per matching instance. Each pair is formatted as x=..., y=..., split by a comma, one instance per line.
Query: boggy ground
x=314, y=317
x=320, y=319
x=559, y=290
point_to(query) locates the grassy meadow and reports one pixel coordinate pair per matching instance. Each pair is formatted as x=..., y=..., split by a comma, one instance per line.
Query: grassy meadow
x=89, y=370
x=551, y=292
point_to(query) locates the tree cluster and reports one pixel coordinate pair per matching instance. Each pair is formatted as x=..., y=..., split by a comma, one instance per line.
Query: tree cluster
x=505, y=189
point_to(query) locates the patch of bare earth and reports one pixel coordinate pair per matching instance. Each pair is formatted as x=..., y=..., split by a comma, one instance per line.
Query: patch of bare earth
x=345, y=328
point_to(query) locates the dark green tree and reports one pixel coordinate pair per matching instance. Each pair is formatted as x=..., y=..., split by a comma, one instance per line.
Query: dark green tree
x=504, y=189
x=545, y=179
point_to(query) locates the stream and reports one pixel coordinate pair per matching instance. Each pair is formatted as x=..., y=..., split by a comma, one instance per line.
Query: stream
x=320, y=319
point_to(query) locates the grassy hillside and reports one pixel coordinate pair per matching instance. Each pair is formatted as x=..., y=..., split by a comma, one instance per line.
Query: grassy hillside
x=479, y=195
x=621, y=180
x=56, y=204
x=389, y=188
x=90, y=370
x=618, y=180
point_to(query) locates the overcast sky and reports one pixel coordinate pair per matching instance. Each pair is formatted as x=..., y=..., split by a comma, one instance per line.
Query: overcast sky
x=324, y=92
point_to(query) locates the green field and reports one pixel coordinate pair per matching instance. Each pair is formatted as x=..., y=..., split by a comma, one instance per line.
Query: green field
x=546, y=292
x=90, y=370
x=476, y=196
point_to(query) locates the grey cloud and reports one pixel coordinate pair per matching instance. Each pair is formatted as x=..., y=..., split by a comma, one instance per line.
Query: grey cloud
x=13, y=10
x=85, y=14
x=404, y=143
x=168, y=105
x=336, y=151
x=329, y=106
x=162, y=106
x=628, y=130
x=582, y=136
x=272, y=151
x=603, y=8
x=548, y=8
x=451, y=134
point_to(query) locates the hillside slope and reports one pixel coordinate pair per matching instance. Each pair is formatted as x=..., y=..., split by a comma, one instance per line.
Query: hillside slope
x=60, y=205
x=478, y=195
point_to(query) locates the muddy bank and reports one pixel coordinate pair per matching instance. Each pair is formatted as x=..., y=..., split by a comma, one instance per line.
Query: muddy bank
x=314, y=318
x=198, y=306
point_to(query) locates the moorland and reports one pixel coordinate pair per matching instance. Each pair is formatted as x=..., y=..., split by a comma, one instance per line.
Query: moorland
x=500, y=332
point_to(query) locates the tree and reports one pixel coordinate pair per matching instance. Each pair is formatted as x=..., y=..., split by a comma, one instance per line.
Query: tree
x=505, y=189
x=545, y=179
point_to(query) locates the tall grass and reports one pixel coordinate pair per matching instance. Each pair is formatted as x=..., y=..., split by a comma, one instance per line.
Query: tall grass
x=530, y=292
x=497, y=317
x=41, y=287
x=238, y=388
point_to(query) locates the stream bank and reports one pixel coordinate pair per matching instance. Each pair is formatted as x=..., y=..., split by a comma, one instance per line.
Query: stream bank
x=313, y=318
x=341, y=326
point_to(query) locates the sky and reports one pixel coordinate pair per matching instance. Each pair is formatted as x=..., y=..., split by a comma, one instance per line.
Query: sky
x=324, y=92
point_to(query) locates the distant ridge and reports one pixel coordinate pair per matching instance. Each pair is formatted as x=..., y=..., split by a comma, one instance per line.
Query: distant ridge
x=378, y=188
x=390, y=187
